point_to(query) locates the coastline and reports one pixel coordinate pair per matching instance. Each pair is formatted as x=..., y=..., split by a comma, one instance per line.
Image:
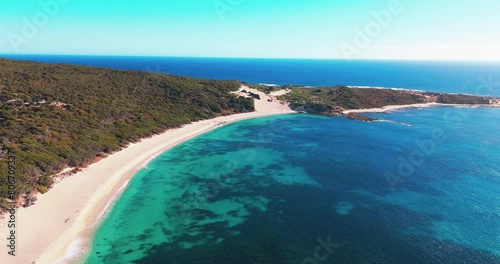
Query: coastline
x=389, y=108
x=59, y=227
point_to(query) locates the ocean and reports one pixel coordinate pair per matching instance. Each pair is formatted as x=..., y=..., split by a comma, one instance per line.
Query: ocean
x=419, y=186
x=481, y=78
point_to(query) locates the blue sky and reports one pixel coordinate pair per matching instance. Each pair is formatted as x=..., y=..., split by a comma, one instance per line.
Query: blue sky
x=444, y=29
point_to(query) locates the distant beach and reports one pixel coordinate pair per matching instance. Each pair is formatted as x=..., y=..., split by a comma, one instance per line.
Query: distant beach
x=399, y=107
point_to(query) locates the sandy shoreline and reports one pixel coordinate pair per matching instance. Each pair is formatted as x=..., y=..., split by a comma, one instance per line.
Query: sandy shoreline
x=63, y=220
x=398, y=107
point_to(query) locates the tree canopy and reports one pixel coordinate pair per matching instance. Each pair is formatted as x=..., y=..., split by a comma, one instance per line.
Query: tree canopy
x=53, y=116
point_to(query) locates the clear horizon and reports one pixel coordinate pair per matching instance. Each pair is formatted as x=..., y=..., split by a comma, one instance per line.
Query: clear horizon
x=293, y=29
x=243, y=58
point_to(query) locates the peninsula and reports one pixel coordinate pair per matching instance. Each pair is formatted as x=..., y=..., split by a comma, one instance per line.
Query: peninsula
x=352, y=101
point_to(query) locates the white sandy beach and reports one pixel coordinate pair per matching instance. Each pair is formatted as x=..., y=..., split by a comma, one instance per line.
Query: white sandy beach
x=63, y=219
x=66, y=213
x=398, y=107
x=388, y=108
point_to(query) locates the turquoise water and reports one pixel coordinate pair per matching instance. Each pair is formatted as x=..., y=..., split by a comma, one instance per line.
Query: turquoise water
x=420, y=187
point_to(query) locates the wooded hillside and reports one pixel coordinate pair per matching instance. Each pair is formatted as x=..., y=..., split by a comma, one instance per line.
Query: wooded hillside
x=52, y=116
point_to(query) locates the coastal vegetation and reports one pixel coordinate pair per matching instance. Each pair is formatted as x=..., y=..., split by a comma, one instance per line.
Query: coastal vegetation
x=335, y=100
x=266, y=88
x=54, y=117
x=58, y=116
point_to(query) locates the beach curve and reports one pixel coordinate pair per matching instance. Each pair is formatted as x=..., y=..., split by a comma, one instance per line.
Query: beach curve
x=59, y=227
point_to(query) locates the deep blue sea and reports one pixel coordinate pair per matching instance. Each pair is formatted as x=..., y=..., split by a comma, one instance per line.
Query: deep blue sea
x=451, y=77
x=421, y=186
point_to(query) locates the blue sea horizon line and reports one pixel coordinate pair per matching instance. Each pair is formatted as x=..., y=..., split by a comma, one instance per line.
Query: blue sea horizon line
x=433, y=76
x=7, y=55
